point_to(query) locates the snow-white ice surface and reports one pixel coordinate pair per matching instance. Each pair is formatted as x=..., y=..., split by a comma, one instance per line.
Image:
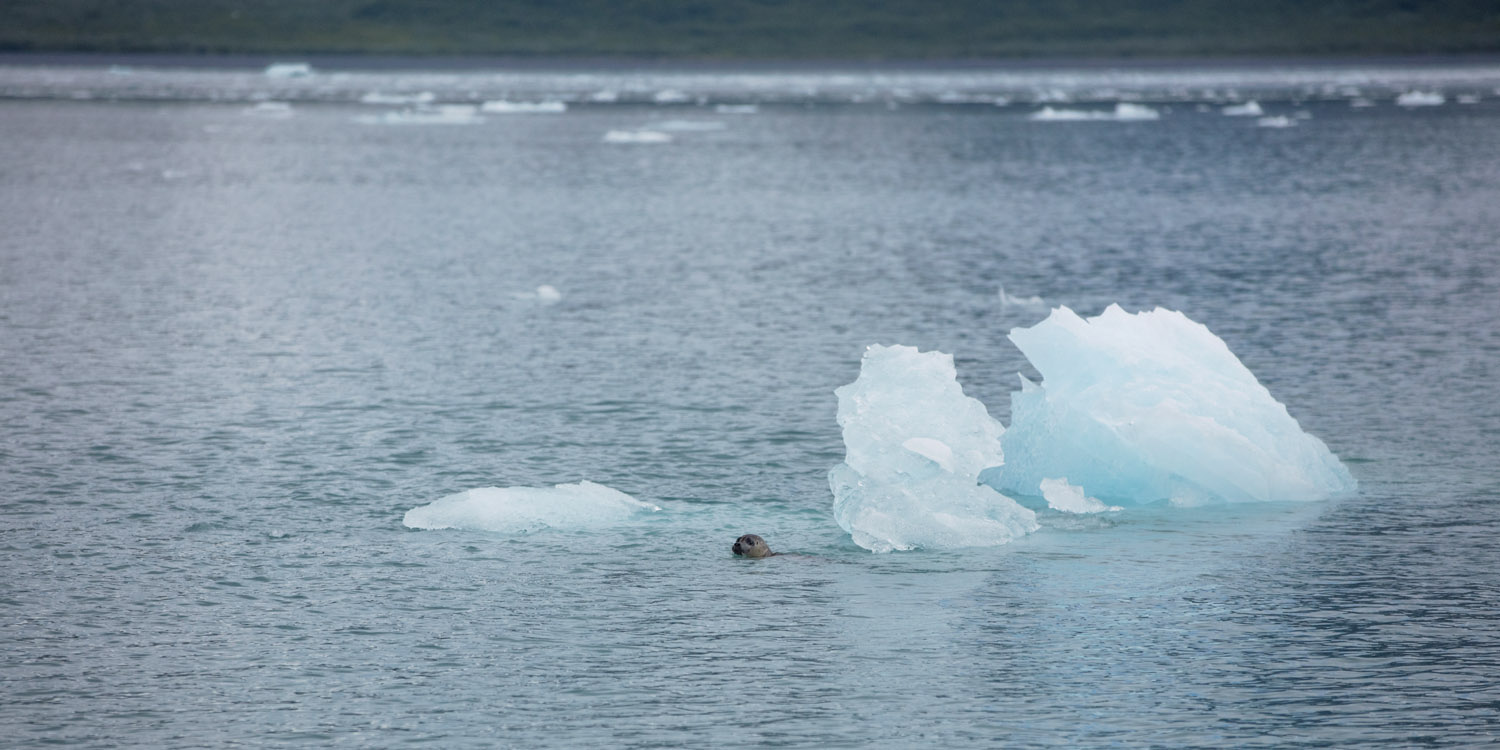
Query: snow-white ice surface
x=1153, y=406
x=522, y=510
x=914, y=447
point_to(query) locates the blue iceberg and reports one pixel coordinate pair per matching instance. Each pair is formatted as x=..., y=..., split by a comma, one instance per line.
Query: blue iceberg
x=1137, y=408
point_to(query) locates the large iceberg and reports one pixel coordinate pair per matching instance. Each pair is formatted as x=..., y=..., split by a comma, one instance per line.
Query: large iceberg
x=914, y=446
x=522, y=510
x=1153, y=406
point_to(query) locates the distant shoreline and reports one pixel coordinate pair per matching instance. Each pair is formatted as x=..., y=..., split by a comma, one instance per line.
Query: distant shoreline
x=395, y=62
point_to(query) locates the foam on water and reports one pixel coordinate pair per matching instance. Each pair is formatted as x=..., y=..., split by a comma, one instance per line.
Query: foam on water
x=914, y=448
x=1153, y=406
x=524, y=510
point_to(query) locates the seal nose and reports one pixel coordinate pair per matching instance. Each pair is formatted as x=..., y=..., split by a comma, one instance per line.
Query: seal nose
x=736, y=548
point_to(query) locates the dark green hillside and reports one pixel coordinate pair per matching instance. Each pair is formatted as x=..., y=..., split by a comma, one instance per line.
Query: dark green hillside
x=743, y=29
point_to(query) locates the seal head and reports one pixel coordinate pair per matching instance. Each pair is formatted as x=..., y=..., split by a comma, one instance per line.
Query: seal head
x=751, y=545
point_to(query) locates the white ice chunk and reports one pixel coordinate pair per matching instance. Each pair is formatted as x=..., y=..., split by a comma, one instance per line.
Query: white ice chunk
x=1276, y=121
x=1248, y=109
x=288, y=70
x=1468, y=98
x=737, y=109
x=523, y=510
x=605, y=96
x=671, y=96
x=914, y=447
x=1069, y=499
x=502, y=107
x=1153, y=406
x=1420, y=99
x=1007, y=300
x=1123, y=112
x=637, y=136
x=376, y=97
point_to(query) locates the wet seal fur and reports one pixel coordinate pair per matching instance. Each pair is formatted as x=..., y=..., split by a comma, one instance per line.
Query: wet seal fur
x=751, y=545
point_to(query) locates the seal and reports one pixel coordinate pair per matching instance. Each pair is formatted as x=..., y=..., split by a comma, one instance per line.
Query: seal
x=751, y=545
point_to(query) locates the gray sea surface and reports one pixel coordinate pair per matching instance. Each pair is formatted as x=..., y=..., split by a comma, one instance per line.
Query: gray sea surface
x=239, y=342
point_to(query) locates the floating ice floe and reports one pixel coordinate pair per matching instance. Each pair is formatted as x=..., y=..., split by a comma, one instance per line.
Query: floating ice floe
x=545, y=294
x=637, y=136
x=914, y=448
x=1123, y=112
x=376, y=97
x=1007, y=300
x=524, y=510
x=1276, y=121
x=1420, y=99
x=1468, y=99
x=670, y=96
x=1069, y=499
x=737, y=109
x=1248, y=109
x=501, y=107
x=1360, y=102
x=444, y=114
x=1153, y=406
x=606, y=96
x=288, y=70
x=270, y=110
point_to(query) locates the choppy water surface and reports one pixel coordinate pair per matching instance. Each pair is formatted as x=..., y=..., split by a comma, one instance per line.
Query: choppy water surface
x=237, y=345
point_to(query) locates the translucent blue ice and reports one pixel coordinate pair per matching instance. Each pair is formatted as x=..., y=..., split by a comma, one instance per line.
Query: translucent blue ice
x=1136, y=408
x=914, y=447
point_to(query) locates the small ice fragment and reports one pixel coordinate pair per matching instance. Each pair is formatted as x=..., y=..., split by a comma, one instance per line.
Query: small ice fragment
x=523, y=510
x=1069, y=499
x=1359, y=102
x=1123, y=112
x=737, y=109
x=605, y=96
x=288, y=70
x=1468, y=98
x=1278, y=121
x=376, y=97
x=1248, y=109
x=1420, y=99
x=548, y=293
x=1008, y=301
x=502, y=107
x=670, y=96
x=637, y=136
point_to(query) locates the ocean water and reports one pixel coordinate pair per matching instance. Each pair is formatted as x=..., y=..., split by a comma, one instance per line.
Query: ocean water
x=238, y=343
